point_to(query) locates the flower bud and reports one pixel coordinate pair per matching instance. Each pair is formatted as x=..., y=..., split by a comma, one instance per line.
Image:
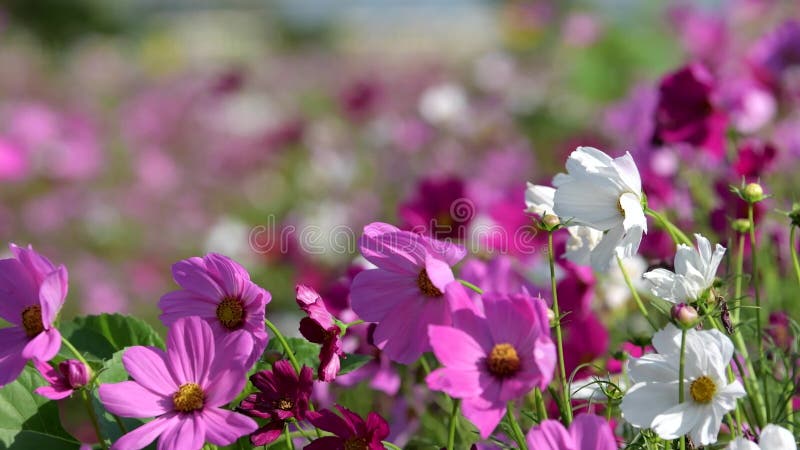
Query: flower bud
x=551, y=317
x=741, y=225
x=75, y=372
x=794, y=214
x=753, y=193
x=550, y=221
x=684, y=315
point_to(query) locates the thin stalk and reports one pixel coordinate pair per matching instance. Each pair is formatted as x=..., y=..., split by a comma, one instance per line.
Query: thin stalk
x=284, y=344
x=760, y=331
x=567, y=405
x=541, y=410
x=677, y=235
x=681, y=370
x=425, y=366
x=93, y=417
x=390, y=445
x=75, y=352
x=737, y=299
x=519, y=438
x=287, y=435
x=635, y=294
x=793, y=246
x=471, y=286
x=451, y=432
x=121, y=425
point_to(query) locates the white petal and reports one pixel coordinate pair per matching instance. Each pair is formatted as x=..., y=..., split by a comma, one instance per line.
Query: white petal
x=668, y=340
x=676, y=421
x=644, y=401
x=628, y=172
x=629, y=244
x=631, y=204
x=662, y=284
x=653, y=368
x=588, y=159
x=774, y=437
x=582, y=240
x=539, y=199
x=606, y=251
x=727, y=396
x=707, y=427
x=588, y=200
x=742, y=444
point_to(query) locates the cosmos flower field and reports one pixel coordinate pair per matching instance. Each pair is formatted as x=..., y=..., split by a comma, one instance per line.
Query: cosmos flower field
x=360, y=226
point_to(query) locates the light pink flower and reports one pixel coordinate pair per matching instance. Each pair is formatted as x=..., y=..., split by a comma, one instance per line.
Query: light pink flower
x=33, y=291
x=219, y=290
x=184, y=388
x=587, y=432
x=70, y=375
x=492, y=359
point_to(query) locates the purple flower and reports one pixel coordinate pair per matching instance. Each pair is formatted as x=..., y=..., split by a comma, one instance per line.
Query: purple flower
x=587, y=432
x=685, y=113
x=283, y=394
x=776, y=53
x=412, y=287
x=70, y=375
x=754, y=158
x=493, y=359
x=320, y=328
x=351, y=431
x=219, y=290
x=33, y=291
x=184, y=388
x=439, y=208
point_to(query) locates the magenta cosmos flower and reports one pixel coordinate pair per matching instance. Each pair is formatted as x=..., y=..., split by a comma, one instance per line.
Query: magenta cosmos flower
x=587, y=432
x=70, y=375
x=492, y=359
x=33, y=291
x=219, y=290
x=351, y=431
x=320, y=328
x=184, y=388
x=283, y=395
x=412, y=287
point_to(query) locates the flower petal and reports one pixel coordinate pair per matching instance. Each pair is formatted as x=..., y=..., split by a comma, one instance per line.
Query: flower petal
x=52, y=293
x=374, y=293
x=187, y=432
x=224, y=427
x=592, y=433
x=148, y=366
x=645, y=401
x=145, y=434
x=484, y=418
x=677, y=421
x=44, y=346
x=18, y=290
x=778, y=438
x=550, y=435
x=131, y=399
x=192, y=275
x=190, y=350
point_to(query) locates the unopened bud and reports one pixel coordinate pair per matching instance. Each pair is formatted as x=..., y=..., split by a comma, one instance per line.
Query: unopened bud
x=794, y=214
x=74, y=372
x=684, y=315
x=550, y=221
x=741, y=225
x=753, y=193
x=551, y=317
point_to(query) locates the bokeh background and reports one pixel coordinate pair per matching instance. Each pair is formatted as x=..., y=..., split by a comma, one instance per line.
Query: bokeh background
x=135, y=133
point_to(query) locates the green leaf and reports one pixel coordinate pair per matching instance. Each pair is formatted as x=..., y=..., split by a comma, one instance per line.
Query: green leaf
x=112, y=372
x=353, y=361
x=28, y=420
x=99, y=337
x=307, y=353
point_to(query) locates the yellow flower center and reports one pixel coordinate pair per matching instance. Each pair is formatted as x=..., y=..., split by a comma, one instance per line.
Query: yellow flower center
x=32, y=320
x=230, y=313
x=356, y=443
x=503, y=361
x=426, y=285
x=190, y=397
x=285, y=404
x=703, y=389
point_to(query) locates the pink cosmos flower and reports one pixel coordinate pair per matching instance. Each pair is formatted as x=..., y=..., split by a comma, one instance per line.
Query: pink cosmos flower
x=320, y=328
x=219, y=290
x=33, y=291
x=283, y=394
x=351, y=431
x=184, y=388
x=587, y=432
x=70, y=375
x=492, y=359
x=412, y=287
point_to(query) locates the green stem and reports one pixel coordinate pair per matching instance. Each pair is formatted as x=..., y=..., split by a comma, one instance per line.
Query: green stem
x=681, y=369
x=760, y=331
x=567, y=404
x=121, y=425
x=541, y=410
x=519, y=438
x=795, y=261
x=675, y=233
x=451, y=434
x=288, y=436
x=635, y=294
x=284, y=344
x=390, y=445
x=737, y=299
x=425, y=366
x=75, y=352
x=353, y=323
x=93, y=417
x=471, y=286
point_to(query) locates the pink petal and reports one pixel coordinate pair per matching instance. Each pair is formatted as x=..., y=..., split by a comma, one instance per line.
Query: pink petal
x=404, y=332
x=148, y=366
x=12, y=341
x=145, y=434
x=550, y=435
x=44, y=346
x=192, y=275
x=449, y=252
x=37, y=265
x=53, y=392
x=400, y=251
x=375, y=292
x=485, y=419
x=228, y=374
x=229, y=274
x=131, y=399
x=224, y=427
x=52, y=293
x=592, y=433
x=48, y=372
x=455, y=383
x=456, y=348
x=187, y=432
x=177, y=304
x=17, y=289
x=439, y=272
x=190, y=350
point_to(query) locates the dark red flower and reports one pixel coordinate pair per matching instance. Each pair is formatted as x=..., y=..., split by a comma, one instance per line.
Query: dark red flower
x=685, y=112
x=320, y=328
x=754, y=158
x=283, y=394
x=439, y=208
x=351, y=431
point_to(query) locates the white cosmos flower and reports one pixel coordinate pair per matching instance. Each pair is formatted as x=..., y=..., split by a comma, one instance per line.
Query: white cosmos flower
x=604, y=194
x=772, y=437
x=582, y=240
x=652, y=401
x=695, y=270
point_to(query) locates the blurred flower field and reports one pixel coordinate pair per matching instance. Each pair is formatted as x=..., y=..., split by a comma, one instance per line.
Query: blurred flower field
x=134, y=135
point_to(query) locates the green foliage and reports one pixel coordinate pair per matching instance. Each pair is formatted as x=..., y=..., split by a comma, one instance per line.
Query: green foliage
x=99, y=337
x=28, y=420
